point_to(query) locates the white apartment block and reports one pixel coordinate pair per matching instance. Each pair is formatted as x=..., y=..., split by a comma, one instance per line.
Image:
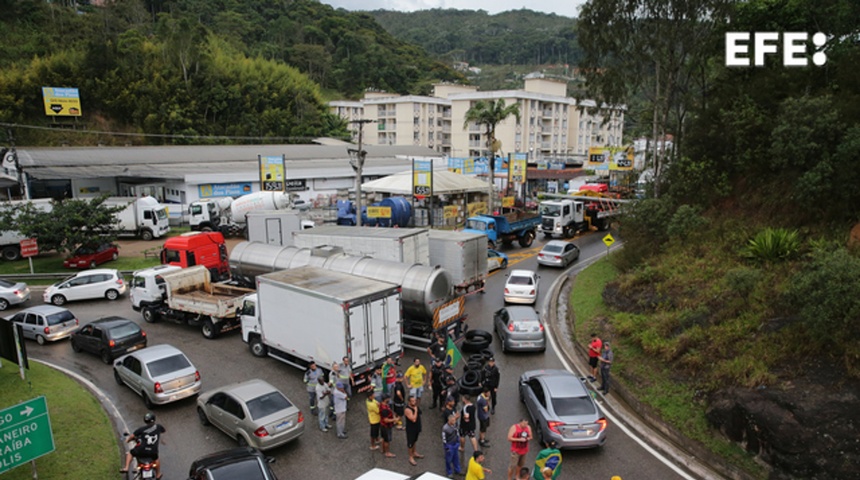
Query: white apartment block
x=550, y=125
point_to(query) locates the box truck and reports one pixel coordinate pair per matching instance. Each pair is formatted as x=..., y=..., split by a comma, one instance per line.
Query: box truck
x=142, y=217
x=405, y=245
x=463, y=255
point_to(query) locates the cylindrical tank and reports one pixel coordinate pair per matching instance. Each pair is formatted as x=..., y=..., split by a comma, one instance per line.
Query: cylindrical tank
x=424, y=288
x=401, y=212
x=258, y=201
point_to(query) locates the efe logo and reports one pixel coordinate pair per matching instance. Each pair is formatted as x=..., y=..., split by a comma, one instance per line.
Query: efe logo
x=794, y=45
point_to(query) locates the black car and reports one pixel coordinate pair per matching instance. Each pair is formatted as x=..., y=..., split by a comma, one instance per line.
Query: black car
x=109, y=337
x=246, y=463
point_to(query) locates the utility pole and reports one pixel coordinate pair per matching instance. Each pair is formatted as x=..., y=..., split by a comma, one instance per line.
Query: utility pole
x=357, y=163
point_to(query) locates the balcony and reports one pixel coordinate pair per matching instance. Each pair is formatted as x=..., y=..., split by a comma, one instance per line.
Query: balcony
x=546, y=112
x=476, y=144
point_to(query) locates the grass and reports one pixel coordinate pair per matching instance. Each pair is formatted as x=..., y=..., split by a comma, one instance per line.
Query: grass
x=77, y=420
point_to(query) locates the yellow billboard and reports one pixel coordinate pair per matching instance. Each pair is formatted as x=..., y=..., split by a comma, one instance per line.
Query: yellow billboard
x=477, y=208
x=451, y=211
x=378, y=212
x=61, y=101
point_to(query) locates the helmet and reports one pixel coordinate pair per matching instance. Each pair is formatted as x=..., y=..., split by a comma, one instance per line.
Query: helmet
x=149, y=418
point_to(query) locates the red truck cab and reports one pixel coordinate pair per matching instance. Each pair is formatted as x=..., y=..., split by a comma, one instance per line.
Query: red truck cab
x=198, y=248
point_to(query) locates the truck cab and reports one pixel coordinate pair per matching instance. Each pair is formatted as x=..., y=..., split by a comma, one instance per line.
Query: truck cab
x=198, y=248
x=208, y=214
x=561, y=217
x=485, y=225
x=147, y=286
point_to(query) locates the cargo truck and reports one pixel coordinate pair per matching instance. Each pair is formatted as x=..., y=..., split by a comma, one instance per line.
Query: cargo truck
x=505, y=229
x=142, y=217
x=10, y=240
x=463, y=255
x=198, y=248
x=310, y=314
x=187, y=295
x=229, y=216
x=566, y=216
x=406, y=245
x=276, y=227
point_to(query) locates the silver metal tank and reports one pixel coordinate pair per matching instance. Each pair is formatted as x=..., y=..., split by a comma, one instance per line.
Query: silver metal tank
x=424, y=288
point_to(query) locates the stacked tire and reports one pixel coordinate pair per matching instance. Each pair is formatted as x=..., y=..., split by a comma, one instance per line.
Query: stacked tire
x=477, y=340
x=470, y=382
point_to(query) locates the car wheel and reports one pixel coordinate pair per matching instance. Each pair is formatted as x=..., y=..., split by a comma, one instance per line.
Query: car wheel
x=114, y=256
x=146, y=235
x=241, y=441
x=202, y=416
x=491, y=245
x=209, y=329
x=75, y=347
x=149, y=315
x=40, y=339
x=58, y=300
x=504, y=264
x=93, y=264
x=107, y=357
x=4, y=304
x=146, y=401
x=258, y=349
x=117, y=377
x=111, y=294
x=547, y=236
x=540, y=436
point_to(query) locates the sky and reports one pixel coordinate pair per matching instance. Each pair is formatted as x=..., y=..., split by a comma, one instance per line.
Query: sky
x=567, y=8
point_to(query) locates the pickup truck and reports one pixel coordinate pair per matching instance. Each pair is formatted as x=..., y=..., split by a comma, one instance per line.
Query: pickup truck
x=519, y=226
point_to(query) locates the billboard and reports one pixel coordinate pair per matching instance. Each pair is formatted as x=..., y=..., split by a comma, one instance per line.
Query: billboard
x=271, y=173
x=610, y=158
x=61, y=101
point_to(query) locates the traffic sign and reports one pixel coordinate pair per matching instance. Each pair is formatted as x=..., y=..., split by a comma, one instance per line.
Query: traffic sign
x=29, y=247
x=608, y=240
x=25, y=433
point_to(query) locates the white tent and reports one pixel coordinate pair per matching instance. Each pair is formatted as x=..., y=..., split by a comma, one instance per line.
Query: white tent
x=444, y=183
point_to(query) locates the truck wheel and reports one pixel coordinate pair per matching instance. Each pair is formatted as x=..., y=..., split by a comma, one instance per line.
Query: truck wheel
x=527, y=239
x=11, y=253
x=491, y=244
x=206, y=229
x=146, y=235
x=210, y=329
x=149, y=315
x=547, y=235
x=567, y=232
x=258, y=349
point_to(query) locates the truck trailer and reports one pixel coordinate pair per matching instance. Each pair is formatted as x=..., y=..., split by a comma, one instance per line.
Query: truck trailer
x=405, y=245
x=463, y=255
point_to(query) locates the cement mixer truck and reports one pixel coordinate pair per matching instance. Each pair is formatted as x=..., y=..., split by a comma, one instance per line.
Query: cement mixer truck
x=228, y=215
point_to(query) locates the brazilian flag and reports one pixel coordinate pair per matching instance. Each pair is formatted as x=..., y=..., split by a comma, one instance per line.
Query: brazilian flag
x=547, y=458
x=452, y=355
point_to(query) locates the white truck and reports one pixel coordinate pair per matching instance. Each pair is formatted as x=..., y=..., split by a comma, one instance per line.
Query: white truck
x=568, y=215
x=142, y=217
x=228, y=215
x=311, y=314
x=10, y=247
x=463, y=255
x=405, y=245
x=187, y=295
x=276, y=227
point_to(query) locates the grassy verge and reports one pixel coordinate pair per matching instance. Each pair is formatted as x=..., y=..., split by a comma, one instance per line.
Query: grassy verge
x=77, y=420
x=646, y=376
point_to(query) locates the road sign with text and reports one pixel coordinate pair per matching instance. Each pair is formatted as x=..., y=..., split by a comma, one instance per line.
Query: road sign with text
x=29, y=247
x=25, y=433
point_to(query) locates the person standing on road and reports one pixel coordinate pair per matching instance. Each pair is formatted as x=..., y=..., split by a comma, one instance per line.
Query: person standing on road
x=437, y=376
x=594, y=349
x=605, y=365
x=438, y=349
x=548, y=458
x=451, y=445
x=389, y=375
x=346, y=376
x=340, y=398
x=413, y=429
x=311, y=379
x=468, y=422
x=476, y=469
x=490, y=378
x=374, y=419
x=377, y=383
x=483, y=409
x=323, y=393
x=386, y=417
x=398, y=402
x=520, y=434
x=417, y=376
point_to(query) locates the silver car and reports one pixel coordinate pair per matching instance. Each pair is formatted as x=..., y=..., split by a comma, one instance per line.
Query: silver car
x=562, y=409
x=522, y=287
x=253, y=412
x=520, y=329
x=160, y=374
x=558, y=253
x=13, y=293
x=46, y=323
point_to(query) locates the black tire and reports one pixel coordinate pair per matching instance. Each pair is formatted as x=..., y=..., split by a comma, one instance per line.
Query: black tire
x=258, y=348
x=111, y=294
x=477, y=358
x=527, y=239
x=11, y=253
x=40, y=339
x=114, y=256
x=210, y=329
x=146, y=235
x=487, y=354
x=547, y=236
x=149, y=314
x=58, y=300
x=106, y=357
x=206, y=229
x=203, y=418
x=472, y=367
x=146, y=401
x=473, y=390
x=93, y=264
x=504, y=264
x=477, y=340
x=75, y=347
x=491, y=244
x=4, y=304
x=117, y=377
x=471, y=378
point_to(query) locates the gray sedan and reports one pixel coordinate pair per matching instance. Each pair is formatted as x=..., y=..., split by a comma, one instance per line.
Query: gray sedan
x=13, y=293
x=558, y=253
x=160, y=374
x=519, y=329
x=253, y=412
x=46, y=323
x=562, y=410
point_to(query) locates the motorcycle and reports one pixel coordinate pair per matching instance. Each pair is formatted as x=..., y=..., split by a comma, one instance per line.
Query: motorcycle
x=142, y=467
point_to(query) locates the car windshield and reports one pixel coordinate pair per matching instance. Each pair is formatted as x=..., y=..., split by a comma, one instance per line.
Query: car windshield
x=60, y=317
x=571, y=406
x=6, y=284
x=267, y=404
x=163, y=366
x=476, y=225
x=124, y=330
x=552, y=249
x=518, y=280
x=249, y=469
x=550, y=210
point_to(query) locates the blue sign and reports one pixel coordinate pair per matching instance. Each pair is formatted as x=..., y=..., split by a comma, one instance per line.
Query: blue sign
x=223, y=190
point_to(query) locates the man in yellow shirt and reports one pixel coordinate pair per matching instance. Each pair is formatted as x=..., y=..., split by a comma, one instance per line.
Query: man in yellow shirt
x=417, y=376
x=374, y=418
x=476, y=469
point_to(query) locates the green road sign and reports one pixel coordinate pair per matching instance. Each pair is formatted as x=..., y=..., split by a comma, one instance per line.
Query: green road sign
x=25, y=433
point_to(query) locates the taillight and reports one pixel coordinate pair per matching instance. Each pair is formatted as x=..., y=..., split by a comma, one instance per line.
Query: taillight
x=111, y=343
x=119, y=281
x=506, y=290
x=158, y=388
x=16, y=292
x=557, y=257
x=532, y=292
x=541, y=327
x=196, y=375
x=301, y=417
x=47, y=330
x=511, y=327
x=553, y=426
x=142, y=333
x=261, y=432
x=602, y=423
x=77, y=322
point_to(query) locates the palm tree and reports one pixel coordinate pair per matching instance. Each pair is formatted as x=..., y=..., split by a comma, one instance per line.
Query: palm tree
x=490, y=113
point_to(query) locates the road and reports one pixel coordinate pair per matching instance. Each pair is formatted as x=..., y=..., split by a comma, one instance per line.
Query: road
x=322, y=455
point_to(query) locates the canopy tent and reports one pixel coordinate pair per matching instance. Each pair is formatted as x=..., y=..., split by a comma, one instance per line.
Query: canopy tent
x=444, y=183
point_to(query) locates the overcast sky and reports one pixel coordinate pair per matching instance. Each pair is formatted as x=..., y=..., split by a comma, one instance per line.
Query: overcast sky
x=567, y=8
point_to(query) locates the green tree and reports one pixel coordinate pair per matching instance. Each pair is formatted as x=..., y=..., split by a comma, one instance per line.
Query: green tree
x=490, y=113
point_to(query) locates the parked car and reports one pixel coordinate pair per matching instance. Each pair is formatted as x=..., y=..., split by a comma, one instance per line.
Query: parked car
x=46, y=323
x=562, y=410
x=244, y=462
x=12, y=293
x=558, y=253
x=109, y=337
x=301, y=205
x=253, y=412
x=91, y=256
x=160, y=374
x=522, y=287
x=496, y=260
x=520, y=329
x=88, y=284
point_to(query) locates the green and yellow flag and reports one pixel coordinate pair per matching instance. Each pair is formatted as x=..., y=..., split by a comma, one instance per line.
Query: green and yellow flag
x=452, y=356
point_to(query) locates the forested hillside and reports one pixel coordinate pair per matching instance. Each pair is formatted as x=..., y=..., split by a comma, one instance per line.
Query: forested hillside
x=256, y=69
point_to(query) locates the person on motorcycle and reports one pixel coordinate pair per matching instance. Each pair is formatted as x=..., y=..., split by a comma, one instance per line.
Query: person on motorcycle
x=147, y=439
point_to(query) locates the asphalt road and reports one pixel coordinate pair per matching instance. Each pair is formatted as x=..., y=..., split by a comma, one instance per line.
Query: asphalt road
x=322, y=455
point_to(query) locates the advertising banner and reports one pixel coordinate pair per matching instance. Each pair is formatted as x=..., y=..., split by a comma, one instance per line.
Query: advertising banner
x=451, y=211
x=477, y=208
x=271, y=173
x=210, y=190
x=378, y=212
x=422, y=178
x=517, y=163
x=598, y=158
x=61, y=101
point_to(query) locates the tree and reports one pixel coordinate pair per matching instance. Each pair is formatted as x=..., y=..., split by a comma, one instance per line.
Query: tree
x=490, y=113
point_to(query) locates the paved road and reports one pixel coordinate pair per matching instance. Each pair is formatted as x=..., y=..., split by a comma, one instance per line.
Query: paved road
x=322, y=455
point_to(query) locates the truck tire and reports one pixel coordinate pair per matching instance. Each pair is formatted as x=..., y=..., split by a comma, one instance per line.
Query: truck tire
x=547, y=235
x=258, y=349
x=527, y=239
x=149, y=314
x=491, y=244
x=210, y=329
x=11, y=253
x=567, y=232
x=146, y=234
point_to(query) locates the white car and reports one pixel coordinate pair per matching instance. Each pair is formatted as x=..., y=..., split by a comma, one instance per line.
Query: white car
x=522, y=287
x=88, y=284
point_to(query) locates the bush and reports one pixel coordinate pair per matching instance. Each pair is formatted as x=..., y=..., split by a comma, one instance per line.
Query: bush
x=742, y=280
x=772, y=245
x=686, y=220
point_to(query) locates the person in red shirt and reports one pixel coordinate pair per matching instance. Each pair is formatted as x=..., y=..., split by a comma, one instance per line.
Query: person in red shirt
x=594, y=350
x=520, y=434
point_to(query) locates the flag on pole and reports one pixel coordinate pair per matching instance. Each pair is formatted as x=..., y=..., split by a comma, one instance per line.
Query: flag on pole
x=452, y=355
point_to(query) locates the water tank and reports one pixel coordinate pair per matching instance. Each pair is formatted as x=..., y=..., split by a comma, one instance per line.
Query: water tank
x=258, y=201
x=424, y=288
